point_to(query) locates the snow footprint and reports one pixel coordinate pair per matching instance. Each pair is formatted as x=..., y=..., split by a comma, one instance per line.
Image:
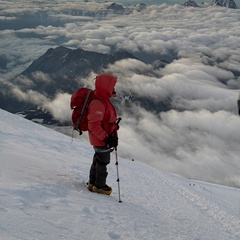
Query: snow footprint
x=86, y=212
x=3, y=209
x=114, y=235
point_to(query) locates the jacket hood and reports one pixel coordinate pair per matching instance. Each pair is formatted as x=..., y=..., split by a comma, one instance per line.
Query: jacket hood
x=105, y=84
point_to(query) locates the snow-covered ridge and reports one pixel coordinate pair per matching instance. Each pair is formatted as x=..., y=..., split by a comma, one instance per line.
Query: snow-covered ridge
x=43, y=194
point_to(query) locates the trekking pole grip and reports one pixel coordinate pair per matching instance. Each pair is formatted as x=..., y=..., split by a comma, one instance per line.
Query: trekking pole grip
x=118, y=120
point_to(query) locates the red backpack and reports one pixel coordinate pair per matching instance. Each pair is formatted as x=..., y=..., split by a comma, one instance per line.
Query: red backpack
x=80, y=101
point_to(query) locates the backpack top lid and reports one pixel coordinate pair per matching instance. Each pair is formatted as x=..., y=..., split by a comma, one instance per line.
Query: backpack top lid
x=79, y=96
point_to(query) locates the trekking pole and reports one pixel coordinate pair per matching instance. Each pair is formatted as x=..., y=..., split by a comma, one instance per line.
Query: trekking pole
x=72, y=135
x=118, y=180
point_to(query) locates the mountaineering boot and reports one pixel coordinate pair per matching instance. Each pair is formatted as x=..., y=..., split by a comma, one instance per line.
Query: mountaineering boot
x=90, y=186
x=103, y=190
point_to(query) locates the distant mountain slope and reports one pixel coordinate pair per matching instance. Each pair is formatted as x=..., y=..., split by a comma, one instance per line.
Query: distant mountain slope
x=58, y=70
x=225, y=3
x=65, y=67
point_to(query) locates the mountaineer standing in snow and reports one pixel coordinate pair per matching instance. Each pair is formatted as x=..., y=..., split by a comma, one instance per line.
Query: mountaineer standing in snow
x=102, y=131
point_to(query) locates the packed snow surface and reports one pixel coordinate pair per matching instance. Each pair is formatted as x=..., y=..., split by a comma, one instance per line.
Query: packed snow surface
x=43, y=194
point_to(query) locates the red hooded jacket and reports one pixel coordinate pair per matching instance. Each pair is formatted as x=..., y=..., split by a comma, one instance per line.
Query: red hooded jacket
x=101, y=113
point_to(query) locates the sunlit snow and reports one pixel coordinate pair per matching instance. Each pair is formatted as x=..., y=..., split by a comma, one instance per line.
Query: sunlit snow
x=43, y=195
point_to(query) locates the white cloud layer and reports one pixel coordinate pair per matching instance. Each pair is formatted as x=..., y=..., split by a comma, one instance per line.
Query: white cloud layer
x=196, y=144
x=60, y=107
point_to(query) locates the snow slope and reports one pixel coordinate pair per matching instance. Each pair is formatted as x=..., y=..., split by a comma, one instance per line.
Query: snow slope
x=43, y=197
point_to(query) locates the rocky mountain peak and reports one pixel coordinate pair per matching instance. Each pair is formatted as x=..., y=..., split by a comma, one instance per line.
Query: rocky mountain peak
x=190, y=3
x=225, y=3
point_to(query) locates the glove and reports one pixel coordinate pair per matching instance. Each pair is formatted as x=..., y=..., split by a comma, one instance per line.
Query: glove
x=117, y=123
x=111, y=141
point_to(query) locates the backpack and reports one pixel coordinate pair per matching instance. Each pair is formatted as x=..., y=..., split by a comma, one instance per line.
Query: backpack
x=80, y=101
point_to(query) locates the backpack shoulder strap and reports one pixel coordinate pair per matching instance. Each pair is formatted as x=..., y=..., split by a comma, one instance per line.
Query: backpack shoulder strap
x=83, y=108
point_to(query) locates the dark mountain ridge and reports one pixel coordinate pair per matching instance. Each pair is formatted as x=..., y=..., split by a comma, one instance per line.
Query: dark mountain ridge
x=58, y=70
x=65, y=67
x=72, y=62
x=225, y=3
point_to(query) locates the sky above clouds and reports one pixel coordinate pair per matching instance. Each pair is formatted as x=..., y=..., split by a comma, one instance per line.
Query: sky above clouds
x=201, y=80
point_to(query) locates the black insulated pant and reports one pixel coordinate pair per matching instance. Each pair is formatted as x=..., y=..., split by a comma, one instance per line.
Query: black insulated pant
x=98, y=171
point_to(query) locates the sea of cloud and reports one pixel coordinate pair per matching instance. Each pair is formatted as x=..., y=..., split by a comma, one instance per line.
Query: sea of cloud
x=200, y=136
